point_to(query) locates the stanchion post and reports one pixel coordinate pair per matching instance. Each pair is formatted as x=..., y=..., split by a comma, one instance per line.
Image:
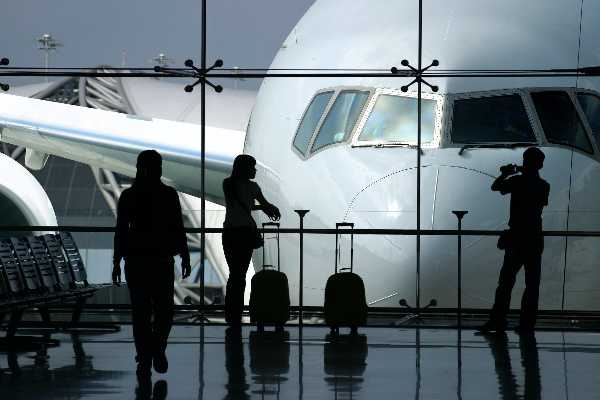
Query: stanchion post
x=459, y=216
x=301, y=214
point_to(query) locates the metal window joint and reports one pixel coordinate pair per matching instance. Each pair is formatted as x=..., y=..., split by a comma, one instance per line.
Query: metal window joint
x=4, y=62
x=417, y=74
x=199, y=74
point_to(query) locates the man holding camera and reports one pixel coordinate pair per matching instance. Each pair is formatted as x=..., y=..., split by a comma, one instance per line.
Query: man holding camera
x=523, y=243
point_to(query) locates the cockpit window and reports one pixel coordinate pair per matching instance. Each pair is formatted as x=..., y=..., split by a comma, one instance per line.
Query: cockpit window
x=497, y=119
x=590, y=103
x=560, y=120
x=394, y=120
x=310, y=120
x=341, y=119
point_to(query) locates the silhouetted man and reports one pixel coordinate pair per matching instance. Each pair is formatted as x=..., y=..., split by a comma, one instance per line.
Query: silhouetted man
x=523, y=242
x=149, y=233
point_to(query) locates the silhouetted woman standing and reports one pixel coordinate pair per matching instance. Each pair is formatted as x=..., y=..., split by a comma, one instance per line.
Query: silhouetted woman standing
x=240, y=235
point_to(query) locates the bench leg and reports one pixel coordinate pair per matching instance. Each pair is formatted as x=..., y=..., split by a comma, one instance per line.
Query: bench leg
x=15, y=318
x=76, y=316
x=13, y=362
x=11, y=330
x=87, y=326
x=45, y=314
x=12, y=342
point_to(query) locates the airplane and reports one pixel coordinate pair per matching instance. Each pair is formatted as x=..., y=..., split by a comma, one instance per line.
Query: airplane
x=345, y=148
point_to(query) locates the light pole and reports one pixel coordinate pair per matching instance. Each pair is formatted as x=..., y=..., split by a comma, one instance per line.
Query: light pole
x=47, y=44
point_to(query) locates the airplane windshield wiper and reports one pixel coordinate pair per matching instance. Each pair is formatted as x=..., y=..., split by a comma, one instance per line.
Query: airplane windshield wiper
x=495, y=145
x=396, y=144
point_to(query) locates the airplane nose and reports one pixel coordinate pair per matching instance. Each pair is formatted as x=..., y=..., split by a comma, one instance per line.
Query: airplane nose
x=388, y=201
x=391, y=202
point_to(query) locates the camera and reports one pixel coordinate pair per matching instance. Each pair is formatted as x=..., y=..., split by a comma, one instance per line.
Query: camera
x=510, y=169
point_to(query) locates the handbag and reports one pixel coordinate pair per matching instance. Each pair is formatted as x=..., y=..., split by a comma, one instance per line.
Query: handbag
x=255, y=239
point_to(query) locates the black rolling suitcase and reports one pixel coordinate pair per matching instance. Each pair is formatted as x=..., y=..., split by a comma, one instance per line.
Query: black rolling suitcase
x=345, y=302
x=269, y=289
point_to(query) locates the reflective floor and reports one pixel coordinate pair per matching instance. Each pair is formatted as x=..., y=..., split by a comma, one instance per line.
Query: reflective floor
x=382, y=363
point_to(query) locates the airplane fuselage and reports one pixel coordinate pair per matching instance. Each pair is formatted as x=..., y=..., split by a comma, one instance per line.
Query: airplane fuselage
x=374, y=183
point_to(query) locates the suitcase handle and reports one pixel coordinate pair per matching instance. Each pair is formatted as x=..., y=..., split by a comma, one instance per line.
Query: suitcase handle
x=337, y=251
x=276, y=226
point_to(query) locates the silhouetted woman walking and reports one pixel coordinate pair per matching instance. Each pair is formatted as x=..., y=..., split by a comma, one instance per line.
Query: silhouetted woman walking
x=240, y=234
x=148, y=234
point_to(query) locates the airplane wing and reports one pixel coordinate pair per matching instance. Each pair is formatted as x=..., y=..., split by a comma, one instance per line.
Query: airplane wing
x=112, y=140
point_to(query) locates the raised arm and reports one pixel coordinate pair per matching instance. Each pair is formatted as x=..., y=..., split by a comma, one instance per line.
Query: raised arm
x=502, y=183
x=269, y=209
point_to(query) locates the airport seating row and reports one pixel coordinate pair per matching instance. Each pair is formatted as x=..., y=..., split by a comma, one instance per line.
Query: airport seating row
x=39, y=271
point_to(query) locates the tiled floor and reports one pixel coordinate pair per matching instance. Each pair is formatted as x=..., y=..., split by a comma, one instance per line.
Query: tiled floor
x=383, y=363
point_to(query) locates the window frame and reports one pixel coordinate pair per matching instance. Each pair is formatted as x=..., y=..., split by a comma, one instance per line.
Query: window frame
x=336, y=91
x=525, y=99
x=306, y=153
x=584, y=118
x=571, y=92
x=370, y=91
x=439, y=112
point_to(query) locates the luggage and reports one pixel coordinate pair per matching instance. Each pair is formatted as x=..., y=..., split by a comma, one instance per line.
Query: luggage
x=269, y=290
x=345, y=302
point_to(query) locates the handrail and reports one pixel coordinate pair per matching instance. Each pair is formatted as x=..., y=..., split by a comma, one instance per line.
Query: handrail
x=314, y=231
x=309, y=231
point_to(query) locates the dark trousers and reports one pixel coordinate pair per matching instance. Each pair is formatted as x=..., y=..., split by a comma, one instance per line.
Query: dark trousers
x=238, y=252
x=150, y=282
x=522, y=250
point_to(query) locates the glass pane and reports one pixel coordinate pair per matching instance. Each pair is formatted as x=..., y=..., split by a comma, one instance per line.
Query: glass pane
x=310, y=120
x=590, y=104
x=341, y=119
x=560, y=121
x=497, y=119
x=394, y=119
x=11, y=215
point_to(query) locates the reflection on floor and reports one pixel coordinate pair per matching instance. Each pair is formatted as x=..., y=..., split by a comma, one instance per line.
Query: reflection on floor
x=381, y=363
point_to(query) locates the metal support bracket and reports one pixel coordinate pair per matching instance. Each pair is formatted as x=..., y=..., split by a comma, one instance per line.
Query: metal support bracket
x=199, y=74
x=417, y=74
x=4, y=62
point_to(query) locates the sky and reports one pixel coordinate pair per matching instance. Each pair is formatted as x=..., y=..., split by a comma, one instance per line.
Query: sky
x=244, y=33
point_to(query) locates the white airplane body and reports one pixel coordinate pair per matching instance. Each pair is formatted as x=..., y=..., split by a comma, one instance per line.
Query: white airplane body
x=361, y=175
